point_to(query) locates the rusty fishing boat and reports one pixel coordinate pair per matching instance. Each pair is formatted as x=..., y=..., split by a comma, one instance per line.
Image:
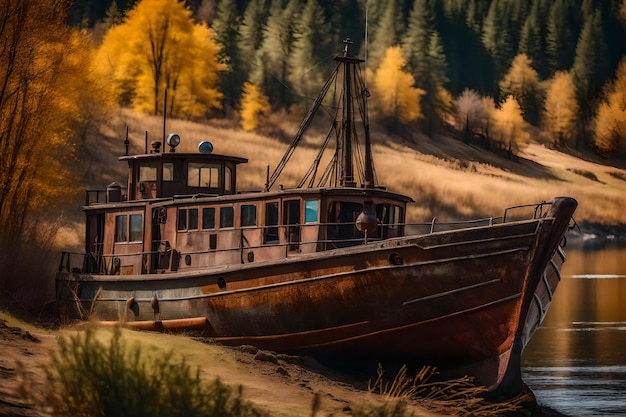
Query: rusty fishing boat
x=328, y=267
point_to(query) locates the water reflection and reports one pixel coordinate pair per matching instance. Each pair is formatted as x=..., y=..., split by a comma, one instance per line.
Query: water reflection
x=576, y=362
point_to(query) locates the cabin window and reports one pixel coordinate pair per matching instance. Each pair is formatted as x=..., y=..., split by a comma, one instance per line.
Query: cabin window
x=136, y=228
x=121, y=228
x=188, y=219
x=311, y=210
x=192, y=219
x=168, y=171
x=228, y=175
x=208, y=218
x=248, y=215
x=395, y=215
x=341, y=218
x=389, y=214
x=227, y=217
x=147, y=172
x=182, y=219
x=203, y=175
x=128, y=228
x=347, y=212
x=270, y=234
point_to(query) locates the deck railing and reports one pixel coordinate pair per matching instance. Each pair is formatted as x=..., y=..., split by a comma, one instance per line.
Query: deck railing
x=109, y=263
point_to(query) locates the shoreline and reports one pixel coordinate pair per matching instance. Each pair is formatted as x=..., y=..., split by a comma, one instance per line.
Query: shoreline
x=596, y=235
x=284, y=388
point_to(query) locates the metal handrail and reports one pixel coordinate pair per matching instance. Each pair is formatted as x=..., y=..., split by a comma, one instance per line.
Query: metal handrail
x=104, y=262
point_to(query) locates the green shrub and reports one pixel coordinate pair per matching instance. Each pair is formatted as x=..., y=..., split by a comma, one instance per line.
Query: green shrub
x=93, y=379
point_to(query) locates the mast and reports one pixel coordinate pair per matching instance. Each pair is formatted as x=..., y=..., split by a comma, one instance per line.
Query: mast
x=347, y=176
x=348, y=136
x=353, y=104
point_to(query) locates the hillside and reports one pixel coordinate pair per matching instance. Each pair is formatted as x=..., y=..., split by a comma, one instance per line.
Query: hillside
x=447, y=178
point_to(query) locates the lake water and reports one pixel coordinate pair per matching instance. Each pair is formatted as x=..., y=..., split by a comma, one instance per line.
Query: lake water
x=576, y=361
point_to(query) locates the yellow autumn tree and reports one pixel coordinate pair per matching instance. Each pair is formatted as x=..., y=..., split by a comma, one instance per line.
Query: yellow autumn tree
x=159, y=47
x=560, y=109
x=50, y=95
x=509, y=128
x=610, y=123
x=522, y=82
x=253, y=105
x=395, y=97
x=51, y=91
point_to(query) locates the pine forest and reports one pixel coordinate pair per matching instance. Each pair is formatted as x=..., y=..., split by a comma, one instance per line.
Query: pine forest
x=478, y=65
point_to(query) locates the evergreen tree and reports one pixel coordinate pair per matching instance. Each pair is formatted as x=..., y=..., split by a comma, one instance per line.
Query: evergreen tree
x=469, y=62
x=251, y=30
x=415, y=42
x=251, y=35
x=347, y=20
x=560, y=40
x=516, y=15
x=497, y=38
x=454, y=7
x=614, y=24
x=436, y=101
x=590, y=66
x=372, y=12
x=310, y=60
x=386, y=33
x=532, y=38
x=476, y=9
x=271, y=68
x=226, y=27
x=587, y=9
x=426, y=60
x=114, y=16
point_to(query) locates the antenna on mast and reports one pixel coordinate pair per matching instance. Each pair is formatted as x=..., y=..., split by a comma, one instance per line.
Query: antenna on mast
x=164, y=114
x=366, y=28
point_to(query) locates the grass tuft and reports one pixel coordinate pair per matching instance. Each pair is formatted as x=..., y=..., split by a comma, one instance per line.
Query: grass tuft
x=618, y=175
x=459, y=397
x=87, y=377
x=583, y=173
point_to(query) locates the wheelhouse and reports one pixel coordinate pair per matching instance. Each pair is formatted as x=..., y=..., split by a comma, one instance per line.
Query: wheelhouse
x=183, y=211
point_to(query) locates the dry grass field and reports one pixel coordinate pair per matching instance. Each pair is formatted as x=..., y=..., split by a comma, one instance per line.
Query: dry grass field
x=447, y=178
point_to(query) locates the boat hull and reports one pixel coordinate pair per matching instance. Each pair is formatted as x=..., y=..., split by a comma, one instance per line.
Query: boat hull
x=463, y=299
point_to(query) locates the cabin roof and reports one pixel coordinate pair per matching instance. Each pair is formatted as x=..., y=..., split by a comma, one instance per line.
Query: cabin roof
x=253, y=195
x=185, y=155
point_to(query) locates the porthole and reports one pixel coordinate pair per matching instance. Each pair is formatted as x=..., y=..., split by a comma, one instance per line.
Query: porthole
x=221, y=282
x=395, y=259
x=250, y=256
x=187, y=260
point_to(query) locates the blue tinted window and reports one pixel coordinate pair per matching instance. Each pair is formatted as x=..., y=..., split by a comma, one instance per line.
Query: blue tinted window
x=311, y=210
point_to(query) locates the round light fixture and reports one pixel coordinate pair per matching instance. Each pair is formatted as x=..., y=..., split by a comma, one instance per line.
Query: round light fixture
x=205, y=147
x=173, y=140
